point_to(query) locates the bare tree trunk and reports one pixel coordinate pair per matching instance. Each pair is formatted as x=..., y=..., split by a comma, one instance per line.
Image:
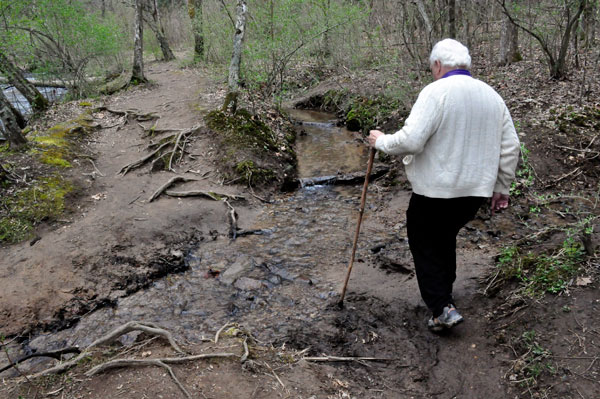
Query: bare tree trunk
x=137, y=75
x=588, y=22
x=195, y=13
x=452, y=18
x=236, y=58
x=159, y=32
x=15, y=77
x=425, y=17
x=509, y=42
x=11, y=127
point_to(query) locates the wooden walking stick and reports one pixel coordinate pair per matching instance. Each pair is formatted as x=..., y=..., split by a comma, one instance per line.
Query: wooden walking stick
x=363, y=199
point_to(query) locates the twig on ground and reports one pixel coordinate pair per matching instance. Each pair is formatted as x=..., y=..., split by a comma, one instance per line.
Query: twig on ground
x=275, y=375
x=220, y=331
x=232, y=220
x=348, y=359
x=95, y=168
x=246, y=351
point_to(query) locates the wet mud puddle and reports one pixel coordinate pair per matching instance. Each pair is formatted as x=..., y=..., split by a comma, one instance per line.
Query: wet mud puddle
x=269, y=282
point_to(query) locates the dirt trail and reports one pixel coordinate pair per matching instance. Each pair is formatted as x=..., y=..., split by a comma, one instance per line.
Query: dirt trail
x=118, y=243
x=87, y=260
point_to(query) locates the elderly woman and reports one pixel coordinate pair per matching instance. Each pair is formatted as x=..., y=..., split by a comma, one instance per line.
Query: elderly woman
x=460, y=147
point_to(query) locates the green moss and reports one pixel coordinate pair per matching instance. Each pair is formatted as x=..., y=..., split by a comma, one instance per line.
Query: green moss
x=364, y=113
x=253, y=174
x=55, y=157
x=85, y=104
x=27, y=208
x=242, y=129
x=54, y=145
x=250, y=150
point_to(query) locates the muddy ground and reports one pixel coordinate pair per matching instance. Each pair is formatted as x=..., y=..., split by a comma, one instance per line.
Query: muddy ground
x=116, y=257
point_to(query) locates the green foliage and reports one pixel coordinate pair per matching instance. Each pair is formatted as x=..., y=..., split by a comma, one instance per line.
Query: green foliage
x=534, y=361
x=59, y=38
x=43, y=200
x=366, y=113
x=525, y=174
x=283, y=34
x=544, y=272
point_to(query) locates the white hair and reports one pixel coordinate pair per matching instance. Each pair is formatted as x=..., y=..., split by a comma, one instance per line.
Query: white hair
x=450, y=53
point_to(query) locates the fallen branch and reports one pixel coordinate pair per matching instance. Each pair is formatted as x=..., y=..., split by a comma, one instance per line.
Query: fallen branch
x=347, y=359
x=168, y=184
x=209, y=194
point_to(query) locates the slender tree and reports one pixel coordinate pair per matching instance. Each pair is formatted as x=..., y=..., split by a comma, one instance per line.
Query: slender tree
x=509, y=42
x=236, y=58
x=556, y=55
x=15, y=77
x=195, y=13
x=156, y=25
x=452, y=18
x=11, y=127
x=137, y=75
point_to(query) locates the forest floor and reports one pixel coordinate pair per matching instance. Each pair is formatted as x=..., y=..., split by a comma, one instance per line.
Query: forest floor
x=114, y=254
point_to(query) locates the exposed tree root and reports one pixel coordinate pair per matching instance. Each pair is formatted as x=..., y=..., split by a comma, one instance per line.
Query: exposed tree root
x=209, y=194
x=129, y=114
x=149, y=328
x=57, y=354
x=163, y=362
x=158, y=154
x=168, y=184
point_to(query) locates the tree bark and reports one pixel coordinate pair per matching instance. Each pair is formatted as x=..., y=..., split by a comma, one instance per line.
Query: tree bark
x=425, y=17
x=509, y=42
x=236, y=58
x=159, y=32
x=11, y=127
x=195, y=13
x=452, y=18
x=15, y=77
x=137, y=75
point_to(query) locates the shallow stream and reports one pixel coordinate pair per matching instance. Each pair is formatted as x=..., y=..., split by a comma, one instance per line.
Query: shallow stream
x=267, y=281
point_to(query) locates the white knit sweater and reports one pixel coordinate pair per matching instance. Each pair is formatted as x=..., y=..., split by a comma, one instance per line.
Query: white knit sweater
x=462, y=137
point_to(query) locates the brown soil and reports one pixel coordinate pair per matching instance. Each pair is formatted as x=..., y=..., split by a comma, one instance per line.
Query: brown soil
x=116, y=243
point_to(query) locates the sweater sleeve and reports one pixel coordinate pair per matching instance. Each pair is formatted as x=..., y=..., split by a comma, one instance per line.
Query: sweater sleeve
x=423, y=121
x=509, y=155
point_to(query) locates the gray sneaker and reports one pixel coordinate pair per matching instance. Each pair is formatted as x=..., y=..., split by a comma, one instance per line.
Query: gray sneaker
x=448, y=319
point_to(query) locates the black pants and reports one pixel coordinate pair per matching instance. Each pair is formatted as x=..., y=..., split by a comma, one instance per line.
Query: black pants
x=432, y=225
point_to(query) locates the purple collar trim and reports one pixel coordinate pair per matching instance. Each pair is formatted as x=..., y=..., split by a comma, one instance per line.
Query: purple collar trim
x=456, y=72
